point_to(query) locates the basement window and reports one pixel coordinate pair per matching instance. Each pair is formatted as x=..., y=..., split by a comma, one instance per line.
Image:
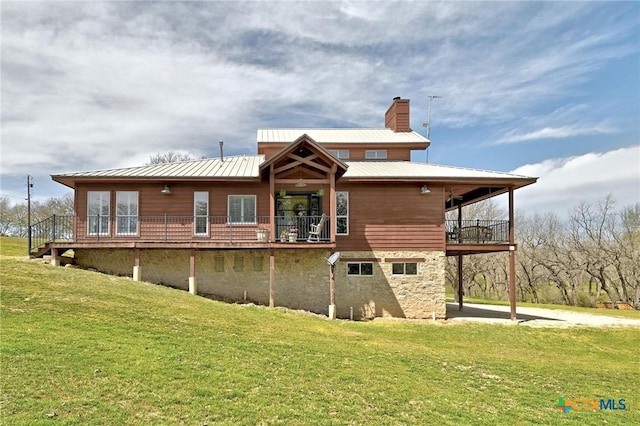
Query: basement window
x=402, y=268
x=219, y=264
x=360, y=268
x=238, y=263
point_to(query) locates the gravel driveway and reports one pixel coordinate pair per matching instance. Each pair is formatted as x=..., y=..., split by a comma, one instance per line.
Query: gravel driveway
x=533, y=317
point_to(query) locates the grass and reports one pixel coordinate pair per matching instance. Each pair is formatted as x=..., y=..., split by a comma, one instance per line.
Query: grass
x=13, y=246
x=80, y=347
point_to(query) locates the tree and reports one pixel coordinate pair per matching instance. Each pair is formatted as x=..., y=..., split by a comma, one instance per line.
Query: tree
x=5, y=211
x=169, y=157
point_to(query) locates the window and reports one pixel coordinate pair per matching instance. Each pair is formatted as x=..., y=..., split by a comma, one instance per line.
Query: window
x=257, y=263
x=201, y=213
x=342, y=154
x=342, y=213
x=98, y=210
x=409, y=268
x=360, y=268
x=238, y=263
x=127, y=212
x=379, y=154
x=219, y=264
x=242, y=209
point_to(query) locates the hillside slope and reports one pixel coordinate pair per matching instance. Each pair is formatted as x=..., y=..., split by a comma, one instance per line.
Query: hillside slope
x=85, y=348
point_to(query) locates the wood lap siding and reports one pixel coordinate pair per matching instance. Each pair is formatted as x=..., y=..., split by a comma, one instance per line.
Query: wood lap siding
x=180, y=202
x=393, y=217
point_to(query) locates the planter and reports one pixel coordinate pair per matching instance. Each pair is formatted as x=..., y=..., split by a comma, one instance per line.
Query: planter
x=293, y=238
x=262, y=235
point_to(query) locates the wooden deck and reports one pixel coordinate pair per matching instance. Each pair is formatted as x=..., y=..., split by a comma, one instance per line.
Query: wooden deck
x=173, y=232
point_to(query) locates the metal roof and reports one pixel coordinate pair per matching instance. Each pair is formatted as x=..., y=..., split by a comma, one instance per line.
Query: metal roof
x=246, y=166
x=407, y=169
x=352, y=136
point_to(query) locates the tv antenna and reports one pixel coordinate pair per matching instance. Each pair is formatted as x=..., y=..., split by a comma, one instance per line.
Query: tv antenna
x=427, y=125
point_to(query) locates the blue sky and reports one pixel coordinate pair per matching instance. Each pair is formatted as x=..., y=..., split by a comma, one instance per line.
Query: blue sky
x=548, y=89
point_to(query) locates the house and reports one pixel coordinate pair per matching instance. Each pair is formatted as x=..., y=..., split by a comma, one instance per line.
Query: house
x=260, y=228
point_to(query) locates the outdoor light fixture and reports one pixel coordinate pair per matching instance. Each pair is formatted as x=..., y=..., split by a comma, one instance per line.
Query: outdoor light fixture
x=165, y=190
x=424, y=190
x=320, y=192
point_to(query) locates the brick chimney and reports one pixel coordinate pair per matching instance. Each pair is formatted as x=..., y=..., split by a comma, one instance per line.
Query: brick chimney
x=397, y=116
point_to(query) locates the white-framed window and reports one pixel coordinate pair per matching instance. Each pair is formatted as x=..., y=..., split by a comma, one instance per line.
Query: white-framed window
x=201, y=213
x=360, y=268
x=342, y=213
x=127, y=212
x=242, y=209
x=404, y=268
x=342, y=154
x=98, y=211
x=375, y=154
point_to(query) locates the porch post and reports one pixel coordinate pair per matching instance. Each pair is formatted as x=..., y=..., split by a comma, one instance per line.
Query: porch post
x=512, y=258
x=136, y=265
x=460, y=289
x=272, y=204
x=272, y=279
x=193, y=284
x=332, y=203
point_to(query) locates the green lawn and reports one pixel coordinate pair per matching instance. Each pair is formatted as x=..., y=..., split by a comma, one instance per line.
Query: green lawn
x=80, y=347
x=13, y=246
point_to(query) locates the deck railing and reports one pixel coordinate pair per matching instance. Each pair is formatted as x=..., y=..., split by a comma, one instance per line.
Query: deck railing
x=477, y=231
x=165, y=228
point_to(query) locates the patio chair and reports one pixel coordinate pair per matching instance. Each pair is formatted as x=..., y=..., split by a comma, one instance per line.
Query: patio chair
x=316, y=230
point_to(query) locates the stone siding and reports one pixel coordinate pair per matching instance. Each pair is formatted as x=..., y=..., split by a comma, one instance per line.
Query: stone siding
x=301, y=278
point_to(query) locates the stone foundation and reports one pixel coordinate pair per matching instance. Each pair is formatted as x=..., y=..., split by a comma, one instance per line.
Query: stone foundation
x=301, y=278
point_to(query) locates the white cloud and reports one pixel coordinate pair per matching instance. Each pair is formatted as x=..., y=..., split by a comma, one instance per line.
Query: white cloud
x=556, y=133
x=565, y=182
x=107, y=84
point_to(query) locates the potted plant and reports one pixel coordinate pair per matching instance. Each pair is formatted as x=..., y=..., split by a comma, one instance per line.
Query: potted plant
x=293, y=235
x=262, y=234
x=284, y=236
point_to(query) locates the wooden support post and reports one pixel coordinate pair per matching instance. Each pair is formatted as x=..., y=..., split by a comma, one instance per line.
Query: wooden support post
x=460, y=288
x=193, y=285
x=272, y=279
x=332, y=204
x=512, y=258
x=272, y=205
x=55, y=260
x=136, y=265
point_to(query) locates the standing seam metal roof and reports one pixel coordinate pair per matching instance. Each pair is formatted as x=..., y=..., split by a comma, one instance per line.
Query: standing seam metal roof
x=352, y=136
x=249, y=167
x=245, y=166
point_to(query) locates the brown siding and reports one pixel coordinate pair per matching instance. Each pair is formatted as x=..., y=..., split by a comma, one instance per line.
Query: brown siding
x=356, y=151
x=393, y=217
x=393, y=154
x=180, y=201
x=397, y=116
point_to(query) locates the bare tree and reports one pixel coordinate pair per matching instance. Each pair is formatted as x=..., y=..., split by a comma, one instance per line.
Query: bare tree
x=592, y=231
x=5, y=210
x=169, y=157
